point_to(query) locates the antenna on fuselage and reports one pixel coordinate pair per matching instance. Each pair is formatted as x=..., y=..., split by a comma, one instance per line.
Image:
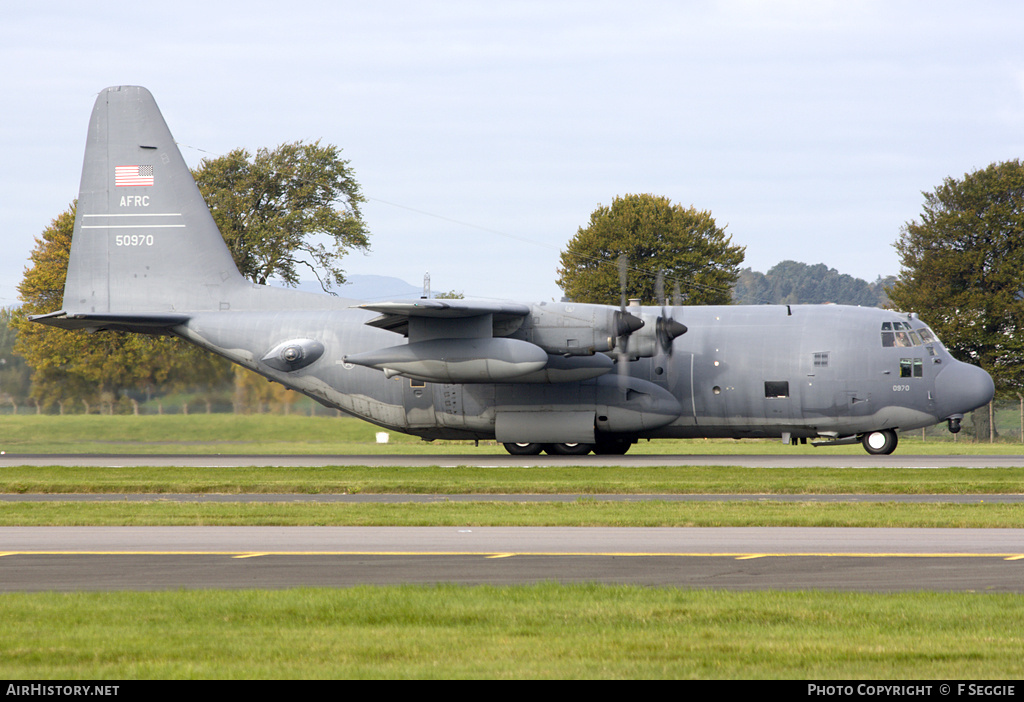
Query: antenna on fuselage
x=426, y=286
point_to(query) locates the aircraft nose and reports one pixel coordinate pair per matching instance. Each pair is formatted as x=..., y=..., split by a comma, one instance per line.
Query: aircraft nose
x=961, y=387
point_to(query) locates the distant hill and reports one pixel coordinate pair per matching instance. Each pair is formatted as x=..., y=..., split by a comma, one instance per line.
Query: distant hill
x=791, y=282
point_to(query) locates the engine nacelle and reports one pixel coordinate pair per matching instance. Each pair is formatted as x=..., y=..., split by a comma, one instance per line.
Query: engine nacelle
x=571, y=329
x=654, y=337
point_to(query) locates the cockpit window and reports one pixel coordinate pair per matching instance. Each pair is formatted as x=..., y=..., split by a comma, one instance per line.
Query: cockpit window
x=900, y=334
x=898, y=338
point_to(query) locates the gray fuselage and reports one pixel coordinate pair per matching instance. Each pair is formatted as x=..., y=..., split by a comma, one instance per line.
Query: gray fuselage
x=740, y=371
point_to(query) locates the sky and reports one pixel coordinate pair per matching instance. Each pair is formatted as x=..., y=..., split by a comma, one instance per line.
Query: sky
x=484, y=134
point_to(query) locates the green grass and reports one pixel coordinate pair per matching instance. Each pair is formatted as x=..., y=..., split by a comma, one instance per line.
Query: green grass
x=541, y=631
x=577, y=513
x=584, y=480
x=275, y=434
x=581, y=481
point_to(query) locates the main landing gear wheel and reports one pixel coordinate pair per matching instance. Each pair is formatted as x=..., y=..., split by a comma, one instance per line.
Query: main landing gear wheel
x=612, y=448
x=569, y=449
x=524, y=449
x=880, y=443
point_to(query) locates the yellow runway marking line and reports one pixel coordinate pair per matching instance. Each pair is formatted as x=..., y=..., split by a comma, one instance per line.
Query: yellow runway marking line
x=491, y=554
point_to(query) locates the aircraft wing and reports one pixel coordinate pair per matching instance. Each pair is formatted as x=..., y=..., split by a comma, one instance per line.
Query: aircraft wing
x=395, y=316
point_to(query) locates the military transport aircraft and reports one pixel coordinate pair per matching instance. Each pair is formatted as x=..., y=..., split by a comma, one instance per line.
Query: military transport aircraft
x=563, y=378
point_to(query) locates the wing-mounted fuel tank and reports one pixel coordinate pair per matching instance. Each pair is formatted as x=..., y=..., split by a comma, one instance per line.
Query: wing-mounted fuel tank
x=456, y=360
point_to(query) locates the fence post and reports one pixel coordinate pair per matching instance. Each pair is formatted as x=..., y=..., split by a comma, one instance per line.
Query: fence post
x=991, y=423
x=1021, y=398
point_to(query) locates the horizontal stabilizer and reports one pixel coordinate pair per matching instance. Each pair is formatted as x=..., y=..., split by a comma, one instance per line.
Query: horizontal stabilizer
x=140, y=323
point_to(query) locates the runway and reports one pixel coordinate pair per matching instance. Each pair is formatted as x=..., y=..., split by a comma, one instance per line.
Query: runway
x=155, y=558
x=197, y=557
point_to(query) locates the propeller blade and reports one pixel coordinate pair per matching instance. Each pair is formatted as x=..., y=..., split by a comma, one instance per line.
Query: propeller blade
x=668, y=328
x=623, y=274
x=626, y=323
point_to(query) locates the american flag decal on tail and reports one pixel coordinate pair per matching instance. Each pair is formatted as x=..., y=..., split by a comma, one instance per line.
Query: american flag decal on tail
x=133, y=176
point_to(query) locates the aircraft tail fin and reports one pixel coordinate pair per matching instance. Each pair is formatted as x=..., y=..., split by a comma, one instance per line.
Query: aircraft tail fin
x=144, y=240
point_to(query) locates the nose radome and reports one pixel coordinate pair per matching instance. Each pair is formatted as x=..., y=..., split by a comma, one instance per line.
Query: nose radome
x=961, y=387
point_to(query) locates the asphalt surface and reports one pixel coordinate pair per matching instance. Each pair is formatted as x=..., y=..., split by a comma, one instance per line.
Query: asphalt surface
x=155, y=558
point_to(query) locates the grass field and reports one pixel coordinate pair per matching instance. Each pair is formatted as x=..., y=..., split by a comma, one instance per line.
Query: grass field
x=538, y=631
x=541, y=631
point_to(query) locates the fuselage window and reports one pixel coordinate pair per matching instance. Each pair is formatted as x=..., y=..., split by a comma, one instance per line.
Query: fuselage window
x=821, y=360
x=911, y=368
x=776, y=388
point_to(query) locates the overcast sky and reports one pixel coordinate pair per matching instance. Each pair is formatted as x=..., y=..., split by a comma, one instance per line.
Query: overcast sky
x=485, y=133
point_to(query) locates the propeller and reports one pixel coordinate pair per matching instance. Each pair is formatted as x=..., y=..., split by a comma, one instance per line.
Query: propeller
x=667, y=329
x=625, y=322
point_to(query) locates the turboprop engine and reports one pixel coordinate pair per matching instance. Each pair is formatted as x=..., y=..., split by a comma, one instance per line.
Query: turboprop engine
x=571, y=329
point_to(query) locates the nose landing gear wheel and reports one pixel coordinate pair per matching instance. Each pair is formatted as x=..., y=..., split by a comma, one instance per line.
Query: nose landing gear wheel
x=880, y=443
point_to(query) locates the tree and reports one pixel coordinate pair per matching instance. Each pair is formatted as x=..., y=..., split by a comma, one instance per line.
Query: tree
x=275, y=209
x=93, y=368
x=655, y=235
x=14, y=373
x=963, y=269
